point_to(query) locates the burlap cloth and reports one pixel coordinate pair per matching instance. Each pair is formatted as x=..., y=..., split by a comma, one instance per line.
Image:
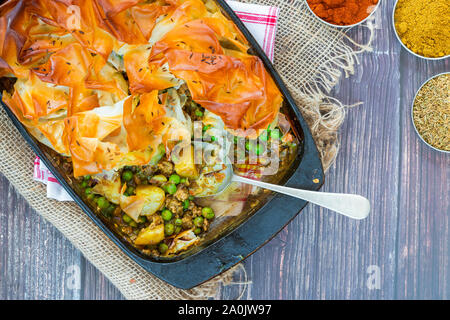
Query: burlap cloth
x=310, y=56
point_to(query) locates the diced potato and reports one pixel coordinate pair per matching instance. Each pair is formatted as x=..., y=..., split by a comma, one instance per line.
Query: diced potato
x=159, y=178
x=184, y=165
x=150, y=235
x=153, y=198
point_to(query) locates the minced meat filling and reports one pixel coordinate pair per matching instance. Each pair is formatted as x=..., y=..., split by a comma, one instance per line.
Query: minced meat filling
x=175, y=206
x=153, y=233
x=181, y=194
x=166, y=168
x=172, y=214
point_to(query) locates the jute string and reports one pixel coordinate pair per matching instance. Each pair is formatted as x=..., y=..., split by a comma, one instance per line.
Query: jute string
x=310, y=56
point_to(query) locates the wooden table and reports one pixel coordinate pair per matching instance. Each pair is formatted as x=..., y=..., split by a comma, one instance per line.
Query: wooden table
x=402, y=251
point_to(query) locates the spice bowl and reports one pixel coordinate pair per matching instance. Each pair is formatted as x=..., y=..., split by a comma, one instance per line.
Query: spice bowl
x=404, y=45
x=342, y=26
x=412, y=112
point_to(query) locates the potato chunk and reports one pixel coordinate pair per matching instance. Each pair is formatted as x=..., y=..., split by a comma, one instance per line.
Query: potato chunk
x=184, y=165
x=153, y=198
x=150, y=235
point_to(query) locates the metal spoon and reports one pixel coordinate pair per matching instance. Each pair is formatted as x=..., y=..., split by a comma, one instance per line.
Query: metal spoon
x=350, y=205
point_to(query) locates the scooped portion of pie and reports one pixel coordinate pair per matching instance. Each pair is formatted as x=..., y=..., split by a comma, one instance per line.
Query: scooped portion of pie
x=115, y=88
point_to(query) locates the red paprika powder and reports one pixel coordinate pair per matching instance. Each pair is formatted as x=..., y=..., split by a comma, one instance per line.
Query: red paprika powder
x=343, y=12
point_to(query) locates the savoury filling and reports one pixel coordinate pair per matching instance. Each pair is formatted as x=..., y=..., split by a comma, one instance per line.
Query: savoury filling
x=144, y=104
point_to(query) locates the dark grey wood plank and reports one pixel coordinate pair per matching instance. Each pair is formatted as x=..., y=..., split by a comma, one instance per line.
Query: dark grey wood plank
x=319, y=255
x=324, y=256
x=34, y=257
x=38, y=262
x=423, y=235
x=95, y=286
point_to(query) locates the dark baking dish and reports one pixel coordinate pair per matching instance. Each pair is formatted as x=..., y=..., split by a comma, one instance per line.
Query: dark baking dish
x=243, y=237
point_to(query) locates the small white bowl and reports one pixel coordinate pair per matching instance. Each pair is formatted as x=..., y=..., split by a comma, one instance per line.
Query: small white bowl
x=404, y=46
x=341, y=26
x=412, y=112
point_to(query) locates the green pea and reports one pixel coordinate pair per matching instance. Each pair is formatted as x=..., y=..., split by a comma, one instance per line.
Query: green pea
x=213, y=139
x=163, y=248
x=166, y=215
x=259, y=149
x=235, y=139
x=142, y=176
x=84, y=184
x=264, y=136
x=275, y=134
x=129, y=191
x=178, y=222
x=133, y=224
x=198, y=113
x=208, y=213
x=142, y=219
x=186, y=204
x=87, y=177
x=90, y=196
x=109, y=210
x=206, y=210
x=169, y=229
x=175, y=179
x=191, y=198
x=197, y=230
x=205, y=128
x=105, y=213
x=126, y=218
x=198, y=222
x=183, y=180
x=88, y=191
x=127, y=175
x=170, y=188
x=102, y=203
x=250, y=146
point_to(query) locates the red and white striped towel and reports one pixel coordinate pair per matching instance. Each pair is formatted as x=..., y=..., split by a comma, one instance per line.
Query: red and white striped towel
x=261, y=21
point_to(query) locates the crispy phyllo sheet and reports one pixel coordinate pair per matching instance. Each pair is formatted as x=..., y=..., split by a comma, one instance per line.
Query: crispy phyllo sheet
x=76, y=56
x=125, y=91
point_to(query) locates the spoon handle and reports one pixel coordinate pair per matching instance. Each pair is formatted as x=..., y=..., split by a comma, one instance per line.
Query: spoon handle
x=350, y=205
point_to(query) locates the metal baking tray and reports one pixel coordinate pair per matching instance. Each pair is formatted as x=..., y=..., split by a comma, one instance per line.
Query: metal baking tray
x=247, y=233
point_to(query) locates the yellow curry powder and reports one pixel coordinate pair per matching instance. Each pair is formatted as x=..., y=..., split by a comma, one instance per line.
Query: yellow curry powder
x=424, y=26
